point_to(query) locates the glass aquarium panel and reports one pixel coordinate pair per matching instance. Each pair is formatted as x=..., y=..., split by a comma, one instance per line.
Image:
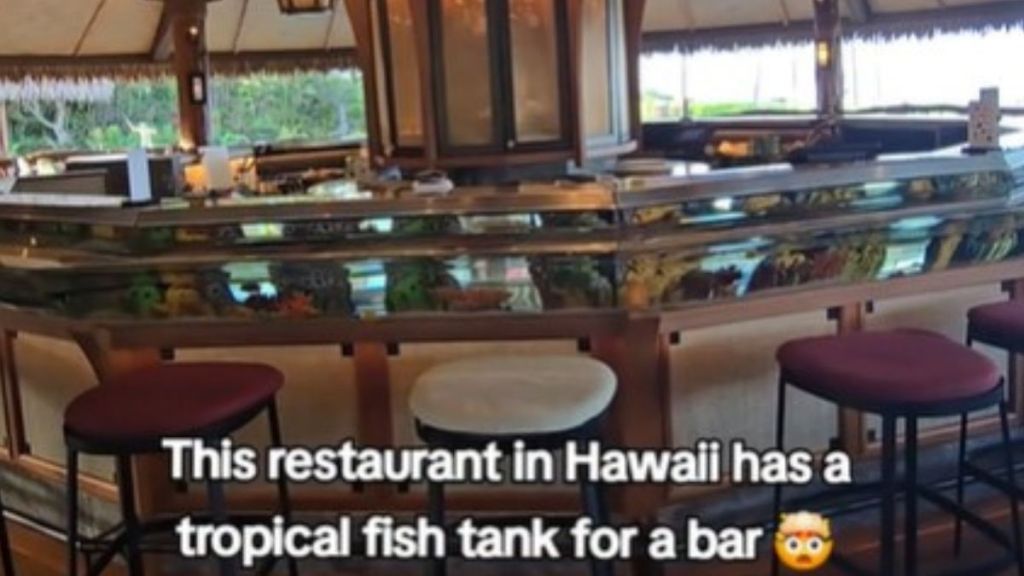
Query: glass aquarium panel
x=533, y=26
x=465, y=39
x=597, y=98
x=278, y=286
x=405, y=73
x=728, y=211
x=467, y=284
x=907, y=247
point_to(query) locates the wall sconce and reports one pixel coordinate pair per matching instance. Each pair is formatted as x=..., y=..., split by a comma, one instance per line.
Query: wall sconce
x=823, y=53
x=197, y=88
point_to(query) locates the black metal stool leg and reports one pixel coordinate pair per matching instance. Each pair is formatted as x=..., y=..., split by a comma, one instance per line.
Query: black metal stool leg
x=436, y=516
x=910, y=482
x=596, y=509
x=72, y=511
x=780, y=439
x=284, y=500
x=219, y=512
x=1004, y=422
x=958, y=529
x=6, y=559
x=133, y=531
x=887, y=557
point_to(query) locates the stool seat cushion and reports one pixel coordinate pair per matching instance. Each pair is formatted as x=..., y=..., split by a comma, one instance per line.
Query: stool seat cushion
x=881, y=371
x=1001, y=324
x=170, y=400
x=509, y=396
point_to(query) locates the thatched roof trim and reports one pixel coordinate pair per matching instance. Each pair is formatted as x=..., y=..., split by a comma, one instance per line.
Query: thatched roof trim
x=129, y=66
x=920, y=23
x=57, y=89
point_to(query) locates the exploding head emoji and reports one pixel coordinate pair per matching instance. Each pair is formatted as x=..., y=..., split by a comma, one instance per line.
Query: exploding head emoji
x=804, y=541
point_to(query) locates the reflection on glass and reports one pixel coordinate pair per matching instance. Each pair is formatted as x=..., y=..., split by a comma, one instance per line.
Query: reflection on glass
x=596, y=68
x=467, y=69
x=535, y=70
x=405, y=73
x=904, y=259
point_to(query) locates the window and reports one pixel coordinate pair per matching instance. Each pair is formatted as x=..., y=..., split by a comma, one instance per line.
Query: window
x=710, y=83
x=312, y=107
x=90, y=114
x=941, y=70
x=104, y=115
x=946, y=69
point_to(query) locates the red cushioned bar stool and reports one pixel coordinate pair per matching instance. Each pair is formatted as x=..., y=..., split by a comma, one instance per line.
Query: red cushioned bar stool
x=131, y=416
x=1000, y=325
x=909, y=375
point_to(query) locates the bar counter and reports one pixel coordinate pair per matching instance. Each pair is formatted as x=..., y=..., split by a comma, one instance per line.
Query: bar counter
x=623, y=268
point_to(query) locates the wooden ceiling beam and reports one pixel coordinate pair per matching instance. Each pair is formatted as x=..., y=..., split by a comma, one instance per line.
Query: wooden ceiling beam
x=162, y=45
x=784, y=12
x=335, y=14
x=240, y=27
x=860, y=10
x=89, y=26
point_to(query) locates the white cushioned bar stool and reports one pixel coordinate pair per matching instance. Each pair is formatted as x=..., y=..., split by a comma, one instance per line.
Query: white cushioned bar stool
x=543, y=401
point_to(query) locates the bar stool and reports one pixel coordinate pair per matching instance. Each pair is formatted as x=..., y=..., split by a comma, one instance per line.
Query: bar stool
x=131, y=415
x=1000, y=325
x=903, y=374
x=544, y=401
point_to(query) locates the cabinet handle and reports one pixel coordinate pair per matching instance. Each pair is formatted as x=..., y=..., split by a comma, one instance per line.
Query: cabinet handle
x=511, y=144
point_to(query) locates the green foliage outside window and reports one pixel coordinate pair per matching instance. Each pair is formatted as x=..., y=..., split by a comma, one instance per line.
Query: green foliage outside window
x=261, y=108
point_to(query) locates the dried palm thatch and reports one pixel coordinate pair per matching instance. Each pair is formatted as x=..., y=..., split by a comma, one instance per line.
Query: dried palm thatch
x=57, y=89
x=690, y=25
x=129, y=67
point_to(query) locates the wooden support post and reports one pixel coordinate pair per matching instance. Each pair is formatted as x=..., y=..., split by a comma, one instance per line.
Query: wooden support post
x=850, y=318
x=5, y=130
x=1015, y=373
x=152, y=473
x=641, y=413
x=192, y=70
x=634, y=17
x=17, y=442
x=828, y=59
x=641, y=416
x=373, y=396
x=359, y=15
